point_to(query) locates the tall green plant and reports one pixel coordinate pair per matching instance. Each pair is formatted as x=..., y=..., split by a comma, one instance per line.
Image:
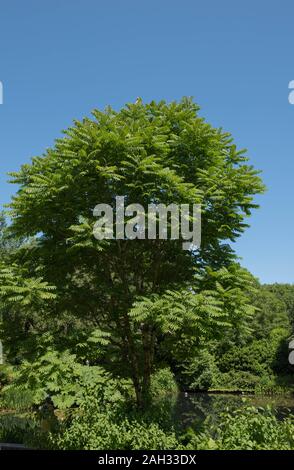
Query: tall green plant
x=159, y=153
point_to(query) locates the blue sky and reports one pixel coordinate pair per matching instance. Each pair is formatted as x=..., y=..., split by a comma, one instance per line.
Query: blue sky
x=60, y=59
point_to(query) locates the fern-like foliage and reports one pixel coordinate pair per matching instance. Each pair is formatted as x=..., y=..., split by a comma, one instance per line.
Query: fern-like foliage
x=187, y=318
x=17, y=289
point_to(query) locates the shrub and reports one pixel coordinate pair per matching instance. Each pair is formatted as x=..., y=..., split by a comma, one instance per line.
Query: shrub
x=238, y=380
x=101, y=424
x=248, y=428
x=55, y=375
x=94, y=430
x=199, y=373
x=6, y=374
x=163, y=383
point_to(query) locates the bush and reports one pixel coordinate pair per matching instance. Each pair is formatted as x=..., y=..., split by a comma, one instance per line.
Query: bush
x=6, y=374
x=253, y=358
x=199, y=373
x=105, y=423
x=163, y=383
x=238, y=380
x=245, y=429
x=95, y=430
x=54, y=375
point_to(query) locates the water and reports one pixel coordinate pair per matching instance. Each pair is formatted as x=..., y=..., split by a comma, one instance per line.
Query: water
x=191, y=410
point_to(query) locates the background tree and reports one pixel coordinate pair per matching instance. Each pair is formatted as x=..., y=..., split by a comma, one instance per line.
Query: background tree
x=284, y=292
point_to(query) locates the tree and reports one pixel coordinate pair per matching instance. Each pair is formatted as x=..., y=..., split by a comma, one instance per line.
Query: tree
x=271, y=312
x=284, y=292
x=22, y=308
x=132, y=295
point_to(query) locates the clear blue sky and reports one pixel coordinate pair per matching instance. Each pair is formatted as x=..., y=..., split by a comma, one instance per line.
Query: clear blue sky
x=60, y=59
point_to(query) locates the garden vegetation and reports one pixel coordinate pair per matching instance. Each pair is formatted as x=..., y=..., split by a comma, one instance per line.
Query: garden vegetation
x=100, y=335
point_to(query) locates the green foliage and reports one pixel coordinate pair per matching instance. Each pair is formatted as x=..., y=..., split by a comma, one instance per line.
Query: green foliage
x=246, y=429
x=271, y=313
x=24, y=298
x=252, y=358
x=135, y=311
x=55, y=375
x=3, y=231
x=144, y=295
x=8, y=242
x=108, y=420
x=249, y=356
x=97, y=429
x=16, y=428
x=163, y=384
x=199, y=372
x=285, y=293
x=6, y=374
x=16, y=288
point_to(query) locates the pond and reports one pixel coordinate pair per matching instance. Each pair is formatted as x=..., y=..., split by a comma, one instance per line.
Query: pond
x=192, y=408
